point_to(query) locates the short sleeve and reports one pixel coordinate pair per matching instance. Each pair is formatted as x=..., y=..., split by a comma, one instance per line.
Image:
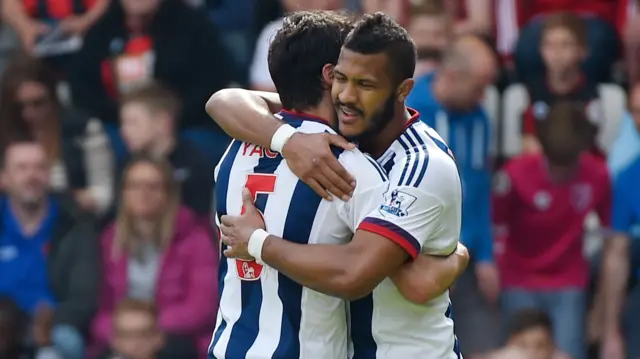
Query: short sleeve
x=412, y=219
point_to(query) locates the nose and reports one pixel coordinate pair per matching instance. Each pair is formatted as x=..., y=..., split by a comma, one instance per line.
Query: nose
x=348, y=94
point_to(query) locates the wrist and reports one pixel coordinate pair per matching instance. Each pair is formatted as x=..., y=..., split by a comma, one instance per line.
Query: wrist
x=281, y=137
x=256, y=242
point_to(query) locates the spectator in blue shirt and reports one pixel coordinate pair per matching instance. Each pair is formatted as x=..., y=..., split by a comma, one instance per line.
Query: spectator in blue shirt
x=48, y=253
x=449, y=101
x=617, y=268
x=626, y=147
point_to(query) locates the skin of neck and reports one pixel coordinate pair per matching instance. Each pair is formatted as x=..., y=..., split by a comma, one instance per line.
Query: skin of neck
x=564, y=81
x=29, y=215
x=146, y=228
x=323, y=110
x=162, y=146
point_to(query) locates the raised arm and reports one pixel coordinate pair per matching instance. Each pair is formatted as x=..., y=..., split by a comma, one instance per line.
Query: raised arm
x=248, y=116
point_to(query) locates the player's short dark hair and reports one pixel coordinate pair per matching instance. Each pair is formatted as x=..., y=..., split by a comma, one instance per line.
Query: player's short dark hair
x=306, y=42
x=155, y=97
x=379, y=33
x=568, y=21
x=527, y=319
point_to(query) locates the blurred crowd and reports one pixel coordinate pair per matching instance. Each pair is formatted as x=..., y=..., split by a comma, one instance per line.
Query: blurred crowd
x=107, y=247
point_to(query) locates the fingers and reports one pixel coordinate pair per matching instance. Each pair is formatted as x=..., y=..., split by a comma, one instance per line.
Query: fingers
x=319, y=189
x=247, y=200
x=339, y=141
x=336, y=184
x=325, y=183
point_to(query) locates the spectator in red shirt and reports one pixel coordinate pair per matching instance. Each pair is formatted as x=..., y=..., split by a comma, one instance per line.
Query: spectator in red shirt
x=540, y=205
x=602, y=39
x=564, y=41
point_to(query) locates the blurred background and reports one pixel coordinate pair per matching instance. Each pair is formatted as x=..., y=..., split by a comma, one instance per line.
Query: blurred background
x=107, y=247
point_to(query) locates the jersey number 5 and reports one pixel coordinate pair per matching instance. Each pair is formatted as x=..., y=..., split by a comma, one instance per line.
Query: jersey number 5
x=260, y=183
x=257, y=183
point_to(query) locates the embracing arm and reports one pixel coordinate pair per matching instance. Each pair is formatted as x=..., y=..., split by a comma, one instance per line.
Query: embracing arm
x=428, y=277
x=246, y=115
x=349, y=271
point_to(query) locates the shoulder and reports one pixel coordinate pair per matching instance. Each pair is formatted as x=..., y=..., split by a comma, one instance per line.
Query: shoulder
x=365, y=169
x=595, y=168
x=630, y=174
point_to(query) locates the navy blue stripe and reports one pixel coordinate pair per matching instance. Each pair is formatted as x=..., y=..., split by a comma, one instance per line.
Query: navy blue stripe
x=388, y=166
x=222, y=184
x=297, y=228
x=415, y=156
x=395, y=229
x=440, y=144
x=375, y=165
x=425, y=164
x=245, y=329
x=456, y=344
x=361, y=313
x=404, y=170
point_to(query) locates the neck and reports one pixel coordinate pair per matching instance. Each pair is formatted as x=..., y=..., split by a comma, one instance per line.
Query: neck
x=324, y=110
x=377, y=145
x=29, y=215
x=565, y=81
x=560, y=173
x=145, y=228
x=162, y=146
x=137, y=23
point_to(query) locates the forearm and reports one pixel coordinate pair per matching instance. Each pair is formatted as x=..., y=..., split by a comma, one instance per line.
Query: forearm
x=614, y=281
x=96, y=11
x=245, y=115
x=14, y=14
x=322, y=267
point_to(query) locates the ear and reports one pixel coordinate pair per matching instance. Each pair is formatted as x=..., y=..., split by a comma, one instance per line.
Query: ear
x=327, y=74
x=404, y=89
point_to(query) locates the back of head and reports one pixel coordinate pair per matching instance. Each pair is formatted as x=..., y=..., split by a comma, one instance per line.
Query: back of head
x=378, y=33
x=565, y=133
x=307, y=41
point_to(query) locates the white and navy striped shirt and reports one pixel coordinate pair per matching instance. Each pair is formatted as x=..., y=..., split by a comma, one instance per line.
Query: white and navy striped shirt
x=421, y=212
x=264, y=314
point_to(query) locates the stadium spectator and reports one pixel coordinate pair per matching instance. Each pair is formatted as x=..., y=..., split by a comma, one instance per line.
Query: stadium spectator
x=626, y=147
x=449, y=101
x=49, y=252
x=629, y=24
x=621, y=313
x=601, y=36
x=259, y=76
x=471, y=17
x=430, y=28
x=397, y=9
x=75, y=144
x=148, y=117
x=156, y=250
x=530, y=337
x=13, y=328
x=540, y=205
x=139, y=41
x=563, y=47
x=137, y=334
x=32, y=19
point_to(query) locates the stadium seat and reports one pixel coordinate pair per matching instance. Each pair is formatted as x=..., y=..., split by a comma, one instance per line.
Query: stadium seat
x=614, y=102
x=491, y=104
x=514, y=101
